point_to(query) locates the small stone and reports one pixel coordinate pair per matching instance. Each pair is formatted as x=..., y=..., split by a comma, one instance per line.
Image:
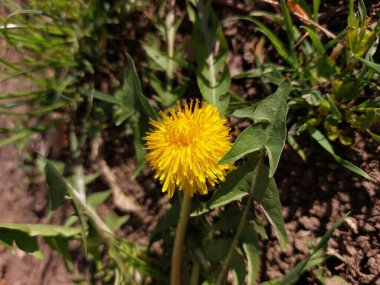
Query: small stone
x=310, y=223
x=352, y=223
x=369, y=228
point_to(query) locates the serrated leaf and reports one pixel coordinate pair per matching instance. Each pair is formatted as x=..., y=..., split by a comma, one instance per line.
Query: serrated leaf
x=266, y=194
x=131, y=92
x=273, y=109
x=237, y=186
x=58, y=188
x=269, y=130
x=250, y=140
x=234, y=188
x=250, y=244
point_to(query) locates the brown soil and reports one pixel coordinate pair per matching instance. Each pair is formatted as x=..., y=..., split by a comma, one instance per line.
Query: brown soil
x=21, y=204
x=316, y=194
x=313, y=195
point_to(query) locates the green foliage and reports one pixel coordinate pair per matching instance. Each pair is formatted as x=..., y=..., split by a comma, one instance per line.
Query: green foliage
x=320, y=90
x=120, y=251
x=340, y=75
x=268, y=132
x=213, y=76
x=312, y=260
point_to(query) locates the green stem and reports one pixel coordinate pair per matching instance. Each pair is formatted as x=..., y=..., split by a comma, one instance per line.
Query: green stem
x=242, y=223
x=170, y=28
x=175, y=274
x=194, y=280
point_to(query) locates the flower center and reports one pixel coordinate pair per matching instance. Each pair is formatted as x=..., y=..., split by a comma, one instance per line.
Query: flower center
x=182, y=132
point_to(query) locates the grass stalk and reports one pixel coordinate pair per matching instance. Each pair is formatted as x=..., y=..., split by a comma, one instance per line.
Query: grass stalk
x=176, y=262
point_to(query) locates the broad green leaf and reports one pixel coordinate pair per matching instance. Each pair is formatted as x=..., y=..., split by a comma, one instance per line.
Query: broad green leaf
x=213, y=75
x=24, y=235
x=237, y=186
x=131, y=92
x=259, y=227
x=139, y=129
x=266, y=194
x=238, y=268
x=269, y=130
x=294, y=275
x=245, y=112
x=58, y=188
x=250, y=243
x=234, y=188
x=273, y=109
x=229, y=219
x=42, y=230
x=23, y=241
x=321, y=139
x=250, y=140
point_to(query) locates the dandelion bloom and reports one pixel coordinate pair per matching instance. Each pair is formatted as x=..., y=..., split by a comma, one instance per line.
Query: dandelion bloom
x=184, y=149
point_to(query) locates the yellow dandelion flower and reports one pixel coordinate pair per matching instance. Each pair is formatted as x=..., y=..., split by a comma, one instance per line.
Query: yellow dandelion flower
x=184, y=149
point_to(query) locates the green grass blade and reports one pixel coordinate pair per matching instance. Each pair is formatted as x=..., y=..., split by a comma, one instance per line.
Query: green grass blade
x=322, y=140
x=278, y=45
x=315, y=39
x=289, y=30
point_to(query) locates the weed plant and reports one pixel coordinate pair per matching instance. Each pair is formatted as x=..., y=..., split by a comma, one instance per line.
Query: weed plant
x=324, y=87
